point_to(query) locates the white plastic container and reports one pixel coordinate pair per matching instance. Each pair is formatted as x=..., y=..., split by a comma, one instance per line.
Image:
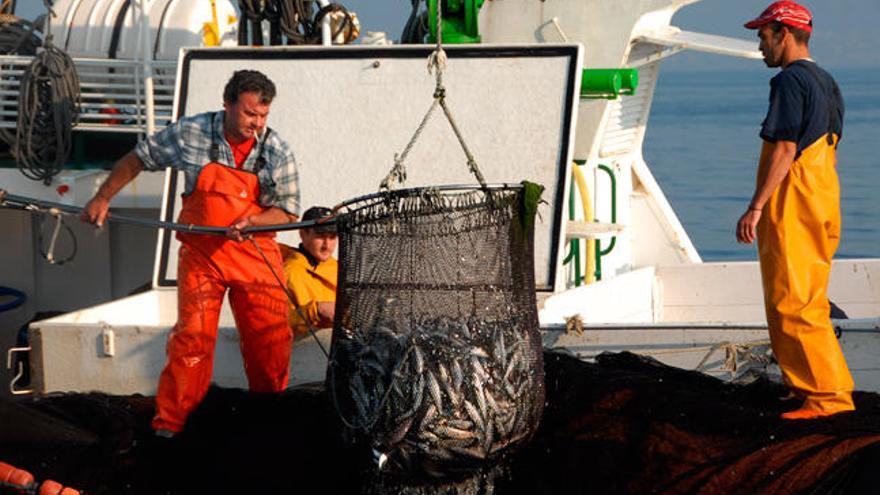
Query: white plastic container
x=110, y=28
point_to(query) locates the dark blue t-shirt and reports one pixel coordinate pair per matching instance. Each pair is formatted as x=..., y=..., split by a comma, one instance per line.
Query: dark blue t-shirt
x=805, y=104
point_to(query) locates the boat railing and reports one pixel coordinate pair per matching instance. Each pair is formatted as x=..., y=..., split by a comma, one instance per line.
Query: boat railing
x=112, y=91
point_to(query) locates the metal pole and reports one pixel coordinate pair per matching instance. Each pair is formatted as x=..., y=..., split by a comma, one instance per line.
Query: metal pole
x=326, y=39
x=147, y=68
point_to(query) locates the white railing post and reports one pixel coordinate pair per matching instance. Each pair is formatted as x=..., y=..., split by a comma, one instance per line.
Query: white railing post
x=147, y=68
x=326, y=34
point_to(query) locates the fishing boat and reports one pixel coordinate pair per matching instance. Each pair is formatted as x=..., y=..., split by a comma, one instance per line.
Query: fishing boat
x=555, y=93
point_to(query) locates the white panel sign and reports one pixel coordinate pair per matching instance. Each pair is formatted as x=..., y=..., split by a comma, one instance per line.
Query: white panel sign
x=347, y=111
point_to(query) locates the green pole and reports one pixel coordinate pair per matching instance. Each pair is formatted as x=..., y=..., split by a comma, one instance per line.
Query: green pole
x=599, y=251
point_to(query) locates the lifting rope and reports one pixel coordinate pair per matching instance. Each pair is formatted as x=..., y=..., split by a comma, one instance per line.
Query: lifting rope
x=436, y=65
x=48, y=107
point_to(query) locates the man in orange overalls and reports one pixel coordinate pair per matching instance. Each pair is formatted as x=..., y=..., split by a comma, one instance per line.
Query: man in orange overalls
x=795, y=213
x=238, y=174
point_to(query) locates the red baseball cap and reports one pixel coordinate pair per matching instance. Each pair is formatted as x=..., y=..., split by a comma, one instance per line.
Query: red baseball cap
x=787, y=12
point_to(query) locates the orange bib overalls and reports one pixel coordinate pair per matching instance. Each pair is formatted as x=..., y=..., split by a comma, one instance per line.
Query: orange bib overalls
x=797, y=236
x=207, y=267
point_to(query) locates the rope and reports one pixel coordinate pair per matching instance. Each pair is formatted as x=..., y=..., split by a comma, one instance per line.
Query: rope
x=733, y=353
x=49, y=254
x=436, y=65
x=291, y=297
x=296, y=20
x=18, y=36
x=48, y=107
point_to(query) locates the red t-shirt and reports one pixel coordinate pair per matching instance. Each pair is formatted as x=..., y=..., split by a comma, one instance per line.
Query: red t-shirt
x=241, y=151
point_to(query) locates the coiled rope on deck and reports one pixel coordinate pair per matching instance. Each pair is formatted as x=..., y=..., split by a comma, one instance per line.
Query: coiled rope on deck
x=48, y=108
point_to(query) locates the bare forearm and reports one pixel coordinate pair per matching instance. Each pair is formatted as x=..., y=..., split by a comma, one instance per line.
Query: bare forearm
x=780, y=159
x=271, y=216
x=123, y=172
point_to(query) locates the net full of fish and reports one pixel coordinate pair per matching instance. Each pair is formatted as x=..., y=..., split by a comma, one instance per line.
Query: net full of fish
x=436, y=357
x=443, y=395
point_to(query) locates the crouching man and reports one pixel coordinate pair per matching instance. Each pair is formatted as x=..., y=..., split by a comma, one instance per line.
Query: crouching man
x=310, y=271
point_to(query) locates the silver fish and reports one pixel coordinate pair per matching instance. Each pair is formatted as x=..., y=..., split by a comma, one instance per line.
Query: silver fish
x=428, y=417
x=455, y=433
x=479, y=352
x=474, y=415
x=434, y=390
x=481, y=399
x=457, y=376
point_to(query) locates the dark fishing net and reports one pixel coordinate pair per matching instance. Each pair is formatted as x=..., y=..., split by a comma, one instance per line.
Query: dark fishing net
x=621, y=425
x=436, y=355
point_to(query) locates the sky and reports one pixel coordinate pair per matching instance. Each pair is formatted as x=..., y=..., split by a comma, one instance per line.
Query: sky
x=843, y=37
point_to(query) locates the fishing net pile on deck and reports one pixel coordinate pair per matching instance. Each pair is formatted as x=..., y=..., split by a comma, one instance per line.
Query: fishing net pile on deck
x=622, y=425
x=436, y=357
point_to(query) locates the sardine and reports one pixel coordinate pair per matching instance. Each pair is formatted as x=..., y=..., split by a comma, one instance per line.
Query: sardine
x=430, y=413
x=500, y=354
x=418, y=359
x=488, y=435
x=474, y=415
x=434, y=390
x=457, y=376
x=481, y=400
x=455, y=433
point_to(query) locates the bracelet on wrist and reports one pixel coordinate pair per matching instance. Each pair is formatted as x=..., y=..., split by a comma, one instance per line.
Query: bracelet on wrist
x=752, y=208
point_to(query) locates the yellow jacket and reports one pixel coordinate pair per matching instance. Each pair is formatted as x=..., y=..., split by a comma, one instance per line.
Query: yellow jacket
x=310, y=283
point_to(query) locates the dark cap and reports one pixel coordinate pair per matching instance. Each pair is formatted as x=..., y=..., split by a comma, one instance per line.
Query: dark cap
x=317, y=213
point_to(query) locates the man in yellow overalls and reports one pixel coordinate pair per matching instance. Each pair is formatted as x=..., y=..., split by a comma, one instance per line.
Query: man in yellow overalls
x=311, y=274
x=795, y=213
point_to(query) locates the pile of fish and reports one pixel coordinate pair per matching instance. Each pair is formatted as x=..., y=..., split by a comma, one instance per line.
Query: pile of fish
x=441, y=396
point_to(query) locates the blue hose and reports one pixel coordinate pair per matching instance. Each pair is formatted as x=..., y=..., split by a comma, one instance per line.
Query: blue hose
x=19, y=298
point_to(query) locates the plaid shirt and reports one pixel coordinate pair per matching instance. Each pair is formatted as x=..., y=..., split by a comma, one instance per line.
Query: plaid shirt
x=186, y=145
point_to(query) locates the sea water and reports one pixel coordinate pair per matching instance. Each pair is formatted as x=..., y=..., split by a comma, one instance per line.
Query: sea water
x=702, y=145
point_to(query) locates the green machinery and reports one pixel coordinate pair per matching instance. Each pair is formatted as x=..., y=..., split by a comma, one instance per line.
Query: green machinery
x=460, y=22
x=460, y=18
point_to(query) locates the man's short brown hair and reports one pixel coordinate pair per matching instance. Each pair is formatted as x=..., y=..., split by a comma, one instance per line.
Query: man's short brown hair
x=249, y=81
x=801, y=36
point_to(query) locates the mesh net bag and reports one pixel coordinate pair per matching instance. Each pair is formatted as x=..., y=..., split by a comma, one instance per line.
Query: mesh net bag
x=436, y=355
